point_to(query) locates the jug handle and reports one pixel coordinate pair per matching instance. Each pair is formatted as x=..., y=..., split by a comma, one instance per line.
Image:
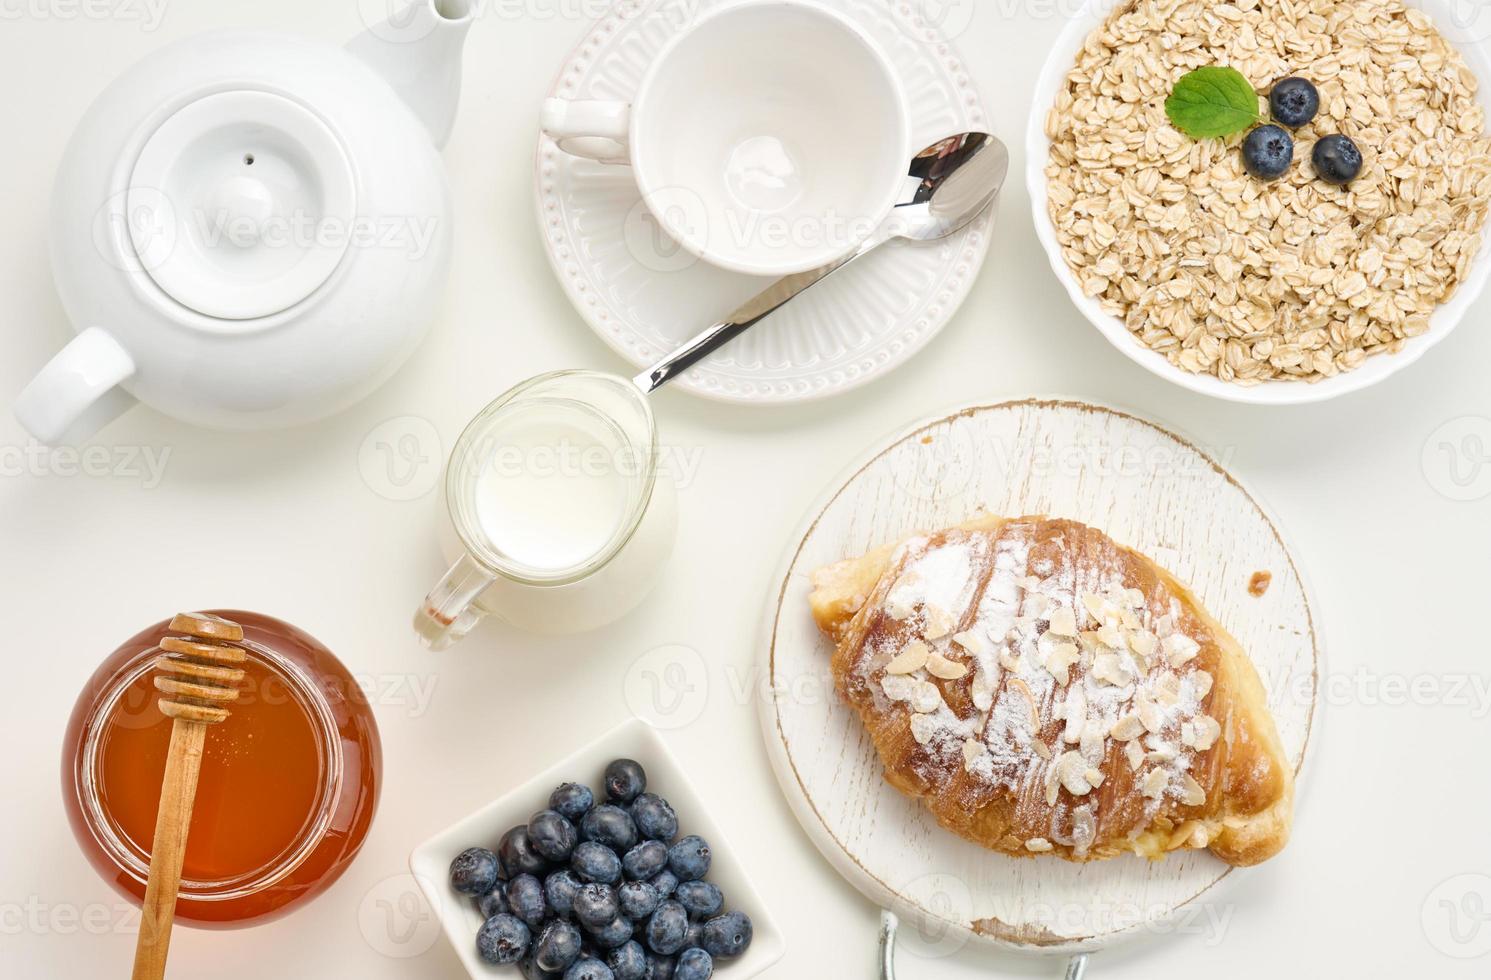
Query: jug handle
x=72, y=382
x=450, y=611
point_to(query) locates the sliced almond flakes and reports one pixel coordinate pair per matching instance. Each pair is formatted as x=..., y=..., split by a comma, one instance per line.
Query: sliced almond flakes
x=944, y=669
x=913, y=657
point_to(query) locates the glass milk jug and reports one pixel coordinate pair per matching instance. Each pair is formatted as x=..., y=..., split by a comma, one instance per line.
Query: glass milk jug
x=562, y=514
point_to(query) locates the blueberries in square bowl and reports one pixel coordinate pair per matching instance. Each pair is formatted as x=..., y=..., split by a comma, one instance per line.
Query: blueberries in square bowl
x=596, y=906
x=599, y=887
x=694, y=964
x=666, y=884
x=532, y=971
x=572, y=801
x=645, y=861
x=589, y=969
x=689, y=859
x=728, y=935
x=695, y=935
x=557, y=947
x=628, y=961
x=503, y=940
x=552, y=836
x=615, y=933
x=654, y=818
x=701, y=899
x=625, y=780
x=611, y=826
x=474, y=871
x=494, y=902
x=517, y=854
x=638, y=900
x=594, y=861
x=560, y=888
x=668, y=928
x=525, y=899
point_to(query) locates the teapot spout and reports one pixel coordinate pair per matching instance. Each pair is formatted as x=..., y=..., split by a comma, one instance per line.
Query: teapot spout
x=418, y=51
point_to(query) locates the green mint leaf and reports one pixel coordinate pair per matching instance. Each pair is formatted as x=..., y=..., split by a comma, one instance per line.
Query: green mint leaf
x=1211, y=102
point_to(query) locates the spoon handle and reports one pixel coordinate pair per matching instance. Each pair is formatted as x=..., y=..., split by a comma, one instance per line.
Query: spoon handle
x=756, y=309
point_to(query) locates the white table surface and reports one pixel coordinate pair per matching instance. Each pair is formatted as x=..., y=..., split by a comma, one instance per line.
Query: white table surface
x=1393, y=811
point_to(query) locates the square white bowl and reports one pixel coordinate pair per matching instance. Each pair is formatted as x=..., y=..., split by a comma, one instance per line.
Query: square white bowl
x=636, y=739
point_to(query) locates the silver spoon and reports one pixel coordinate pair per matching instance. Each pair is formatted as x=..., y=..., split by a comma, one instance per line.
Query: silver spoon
x=949, y=184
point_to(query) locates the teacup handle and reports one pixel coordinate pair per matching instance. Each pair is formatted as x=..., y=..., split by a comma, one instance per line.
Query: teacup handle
x=450, y=611
x=595, y=130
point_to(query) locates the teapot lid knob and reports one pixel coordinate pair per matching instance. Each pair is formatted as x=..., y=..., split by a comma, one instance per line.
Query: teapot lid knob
x=241, y=205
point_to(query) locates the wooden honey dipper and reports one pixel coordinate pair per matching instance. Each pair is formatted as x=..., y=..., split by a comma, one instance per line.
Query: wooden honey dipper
x=199, y=677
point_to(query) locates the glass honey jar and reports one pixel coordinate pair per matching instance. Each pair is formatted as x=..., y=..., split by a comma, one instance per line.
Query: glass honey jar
x=288, y=785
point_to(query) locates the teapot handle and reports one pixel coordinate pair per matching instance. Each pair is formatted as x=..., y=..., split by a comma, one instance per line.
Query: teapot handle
x=450, y=611
x=58, y=399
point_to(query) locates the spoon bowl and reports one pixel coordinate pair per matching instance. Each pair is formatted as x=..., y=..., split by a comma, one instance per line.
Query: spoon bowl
x=958, y=178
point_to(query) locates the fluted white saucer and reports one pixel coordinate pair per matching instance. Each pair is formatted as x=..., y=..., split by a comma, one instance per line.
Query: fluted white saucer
x=643, y=294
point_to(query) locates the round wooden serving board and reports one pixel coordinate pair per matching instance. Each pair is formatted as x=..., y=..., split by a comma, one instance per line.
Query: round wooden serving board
x=1147, y=488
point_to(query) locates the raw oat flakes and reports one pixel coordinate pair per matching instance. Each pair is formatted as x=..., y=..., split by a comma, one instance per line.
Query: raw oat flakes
x=1295, y=279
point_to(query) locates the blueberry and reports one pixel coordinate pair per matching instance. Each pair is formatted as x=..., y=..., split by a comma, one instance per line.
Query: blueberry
x=666, y=884
x=667, y=928
x=596, y=906
x=615, y=933
x=689, y=859
x=694, y=964
x=728, y=935
x=503, y=940
x=1337, y=159
x=1267, y=152
x=610, y=825
x=628, y=962
x=638, y=900
x=660, y=967
x=532, y=971
x=589, y=969
x=474, y=871
x=494, y=902
x=572, y=801
x=594, y=861
x=701, y=898
x=560, y=889
x=518, y=856
x=552, y=836
x=695, y=935
x=625, y=780
x=645, y=860
x=557, y=947
x=654, y=818
x=1294, y=102
x=525, y=896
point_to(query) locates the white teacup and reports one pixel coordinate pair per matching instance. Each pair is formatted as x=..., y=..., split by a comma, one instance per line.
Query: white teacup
x=769, y=138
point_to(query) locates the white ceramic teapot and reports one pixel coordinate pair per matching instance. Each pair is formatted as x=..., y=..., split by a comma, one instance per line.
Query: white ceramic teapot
x=252, y=230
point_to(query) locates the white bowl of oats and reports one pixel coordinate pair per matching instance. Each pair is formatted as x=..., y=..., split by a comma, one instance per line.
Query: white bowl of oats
x=1288, y=291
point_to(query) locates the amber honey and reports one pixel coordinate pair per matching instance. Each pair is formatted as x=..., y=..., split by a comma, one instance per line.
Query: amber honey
x=288, y=785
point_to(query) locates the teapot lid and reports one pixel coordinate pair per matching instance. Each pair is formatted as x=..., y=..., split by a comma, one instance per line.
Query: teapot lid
x=241, y=204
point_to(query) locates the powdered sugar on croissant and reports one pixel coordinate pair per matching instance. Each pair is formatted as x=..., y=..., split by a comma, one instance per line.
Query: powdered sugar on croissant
x=1043, y=689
